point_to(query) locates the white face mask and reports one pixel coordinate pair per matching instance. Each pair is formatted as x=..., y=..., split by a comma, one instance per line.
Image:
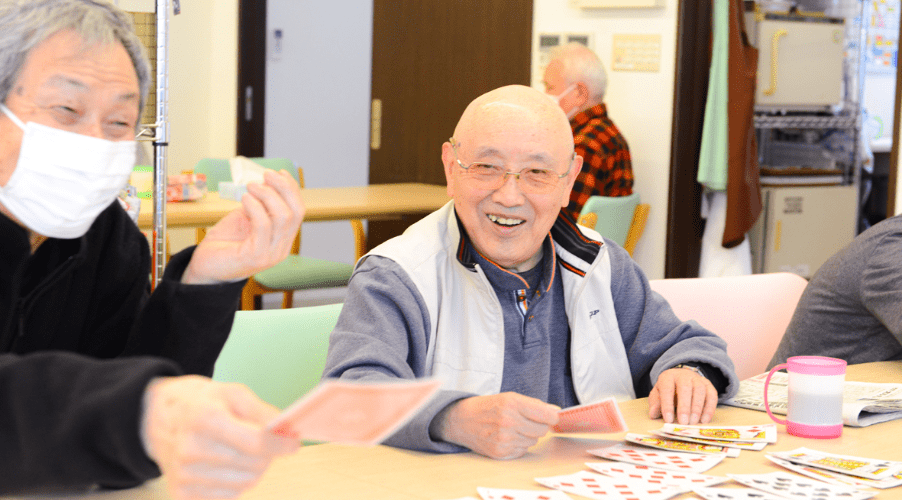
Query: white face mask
x=557, y=99
x=63, y=180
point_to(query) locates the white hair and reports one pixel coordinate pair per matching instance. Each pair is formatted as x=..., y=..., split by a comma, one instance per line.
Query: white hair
x=582, y=65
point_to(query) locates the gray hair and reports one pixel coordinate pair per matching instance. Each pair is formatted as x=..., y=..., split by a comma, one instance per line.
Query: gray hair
x=25, y=24
x=582, y=65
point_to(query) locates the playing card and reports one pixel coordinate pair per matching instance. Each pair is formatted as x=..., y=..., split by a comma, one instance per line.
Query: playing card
x=685, y=481
x=815, y=473
x=740, y=445
x=759, y=433
x=354, y=412
x=799, y=488
x=592, y=485
x=662, y=443
x=734, y=494
x=869, y=468
x=501, y=494
x=685, y=462
x=603, y=416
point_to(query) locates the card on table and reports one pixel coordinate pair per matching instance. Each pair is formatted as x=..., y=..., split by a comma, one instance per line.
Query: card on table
x=662, y=443
x=503, y=494
x=592, y=485
x=758, y=433
x=663, y=460
x=869, y=468
x=799, y=488
x=739, y=445
x=734, y=494
x=361, y=413
x=815, y=473
x=683, y=480
x=603, y=416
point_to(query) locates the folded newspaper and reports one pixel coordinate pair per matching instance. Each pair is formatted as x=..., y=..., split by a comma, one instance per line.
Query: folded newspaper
x=864, y=403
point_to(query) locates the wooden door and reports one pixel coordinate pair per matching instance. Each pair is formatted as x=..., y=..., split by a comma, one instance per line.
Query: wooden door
x=430, y=59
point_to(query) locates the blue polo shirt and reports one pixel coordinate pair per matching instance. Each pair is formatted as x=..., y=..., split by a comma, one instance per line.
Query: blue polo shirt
x=536, y=331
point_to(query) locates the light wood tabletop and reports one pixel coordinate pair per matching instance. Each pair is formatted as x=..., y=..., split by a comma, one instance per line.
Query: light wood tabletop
x=330, y=471
x=376, y=201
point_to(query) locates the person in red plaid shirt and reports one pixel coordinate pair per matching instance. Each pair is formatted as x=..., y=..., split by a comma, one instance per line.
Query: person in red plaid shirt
x=576, y=78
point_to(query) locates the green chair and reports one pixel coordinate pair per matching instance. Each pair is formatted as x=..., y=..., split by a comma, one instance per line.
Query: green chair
x=279, y=353
x=620, y=218
x=295, y=272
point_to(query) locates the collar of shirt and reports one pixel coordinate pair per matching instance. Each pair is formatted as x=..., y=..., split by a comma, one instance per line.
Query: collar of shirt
x=539, y=278
x=584, y=116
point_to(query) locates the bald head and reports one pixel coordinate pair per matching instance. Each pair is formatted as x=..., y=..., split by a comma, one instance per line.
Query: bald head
x=521, y=109
x=514, y=130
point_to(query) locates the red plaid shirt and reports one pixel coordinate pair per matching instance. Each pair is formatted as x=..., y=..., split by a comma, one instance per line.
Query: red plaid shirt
x=607, y=170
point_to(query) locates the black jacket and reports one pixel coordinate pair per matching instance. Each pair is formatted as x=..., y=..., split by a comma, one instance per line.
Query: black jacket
x=68, y=419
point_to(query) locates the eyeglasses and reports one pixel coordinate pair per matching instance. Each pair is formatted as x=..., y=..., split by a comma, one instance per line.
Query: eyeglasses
x=488, y=176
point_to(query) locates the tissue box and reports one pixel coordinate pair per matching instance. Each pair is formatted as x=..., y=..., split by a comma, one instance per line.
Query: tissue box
x=186, y=187
x=231, y=191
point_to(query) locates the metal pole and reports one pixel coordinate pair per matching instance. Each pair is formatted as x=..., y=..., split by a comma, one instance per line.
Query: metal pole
x=160, y=144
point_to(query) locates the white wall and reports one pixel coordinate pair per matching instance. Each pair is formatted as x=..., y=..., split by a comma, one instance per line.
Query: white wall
x=640, y=103
x=318, y=103
x=203, y=76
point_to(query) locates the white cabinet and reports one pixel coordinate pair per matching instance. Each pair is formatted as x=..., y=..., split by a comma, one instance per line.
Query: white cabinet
x=801, y=227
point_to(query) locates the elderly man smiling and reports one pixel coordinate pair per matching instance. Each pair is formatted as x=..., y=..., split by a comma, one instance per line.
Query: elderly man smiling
x=517, y=310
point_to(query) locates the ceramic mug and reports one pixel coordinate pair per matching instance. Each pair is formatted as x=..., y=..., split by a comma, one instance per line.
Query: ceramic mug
x=814, y=402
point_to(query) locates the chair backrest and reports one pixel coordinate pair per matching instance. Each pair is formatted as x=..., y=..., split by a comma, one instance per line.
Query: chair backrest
x=614, y=215
x=750, y=312
x=217, y=169
x=279, y=353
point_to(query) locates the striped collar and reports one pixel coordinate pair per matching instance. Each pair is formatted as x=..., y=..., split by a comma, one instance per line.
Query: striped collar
x=564, y=234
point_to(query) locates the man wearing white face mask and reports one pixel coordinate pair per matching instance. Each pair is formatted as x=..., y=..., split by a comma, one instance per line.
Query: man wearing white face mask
x=576, y=79
x=89, y=358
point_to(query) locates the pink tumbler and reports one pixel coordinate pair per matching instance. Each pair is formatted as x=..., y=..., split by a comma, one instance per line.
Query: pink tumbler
x=815, y=396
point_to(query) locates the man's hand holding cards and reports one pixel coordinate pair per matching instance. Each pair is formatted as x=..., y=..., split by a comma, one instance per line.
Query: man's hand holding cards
x=360, y=413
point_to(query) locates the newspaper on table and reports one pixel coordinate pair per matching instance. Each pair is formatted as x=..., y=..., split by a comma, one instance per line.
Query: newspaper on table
x=864, y=403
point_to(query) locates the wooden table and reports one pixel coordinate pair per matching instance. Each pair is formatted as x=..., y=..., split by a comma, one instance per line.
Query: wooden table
x=330, y=471
x=376, y=201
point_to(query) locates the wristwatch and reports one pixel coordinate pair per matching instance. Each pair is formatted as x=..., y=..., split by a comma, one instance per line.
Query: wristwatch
x=690, y=367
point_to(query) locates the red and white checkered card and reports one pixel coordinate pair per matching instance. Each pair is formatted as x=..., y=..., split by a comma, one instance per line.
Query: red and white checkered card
x=603, y=416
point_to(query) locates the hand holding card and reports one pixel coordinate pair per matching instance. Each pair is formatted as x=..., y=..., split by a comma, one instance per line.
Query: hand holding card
x=354, y=412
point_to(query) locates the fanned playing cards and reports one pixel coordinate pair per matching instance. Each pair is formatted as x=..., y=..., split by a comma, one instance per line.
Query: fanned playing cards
x=354, y=412
x=685, y=481
x=796, y=487
x=868, y=468
x=765, y=433
x=664, y=443
x=687, y=462
x=591, y=485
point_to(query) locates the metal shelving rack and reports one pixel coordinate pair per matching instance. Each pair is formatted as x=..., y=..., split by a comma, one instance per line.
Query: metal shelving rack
x=847, y=118
x=158, y=134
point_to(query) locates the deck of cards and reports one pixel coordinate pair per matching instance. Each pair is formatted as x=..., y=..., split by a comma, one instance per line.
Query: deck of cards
x=602, y=417
x=360, y=413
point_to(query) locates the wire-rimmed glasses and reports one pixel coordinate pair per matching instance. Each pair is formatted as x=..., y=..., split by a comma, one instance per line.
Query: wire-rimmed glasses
x=488, y=176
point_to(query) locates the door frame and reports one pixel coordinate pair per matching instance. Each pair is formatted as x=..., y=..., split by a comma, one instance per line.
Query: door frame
x=251, y=120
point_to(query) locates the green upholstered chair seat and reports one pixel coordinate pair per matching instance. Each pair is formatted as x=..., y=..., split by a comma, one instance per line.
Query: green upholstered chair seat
x=302, y=273
x=279, y=353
